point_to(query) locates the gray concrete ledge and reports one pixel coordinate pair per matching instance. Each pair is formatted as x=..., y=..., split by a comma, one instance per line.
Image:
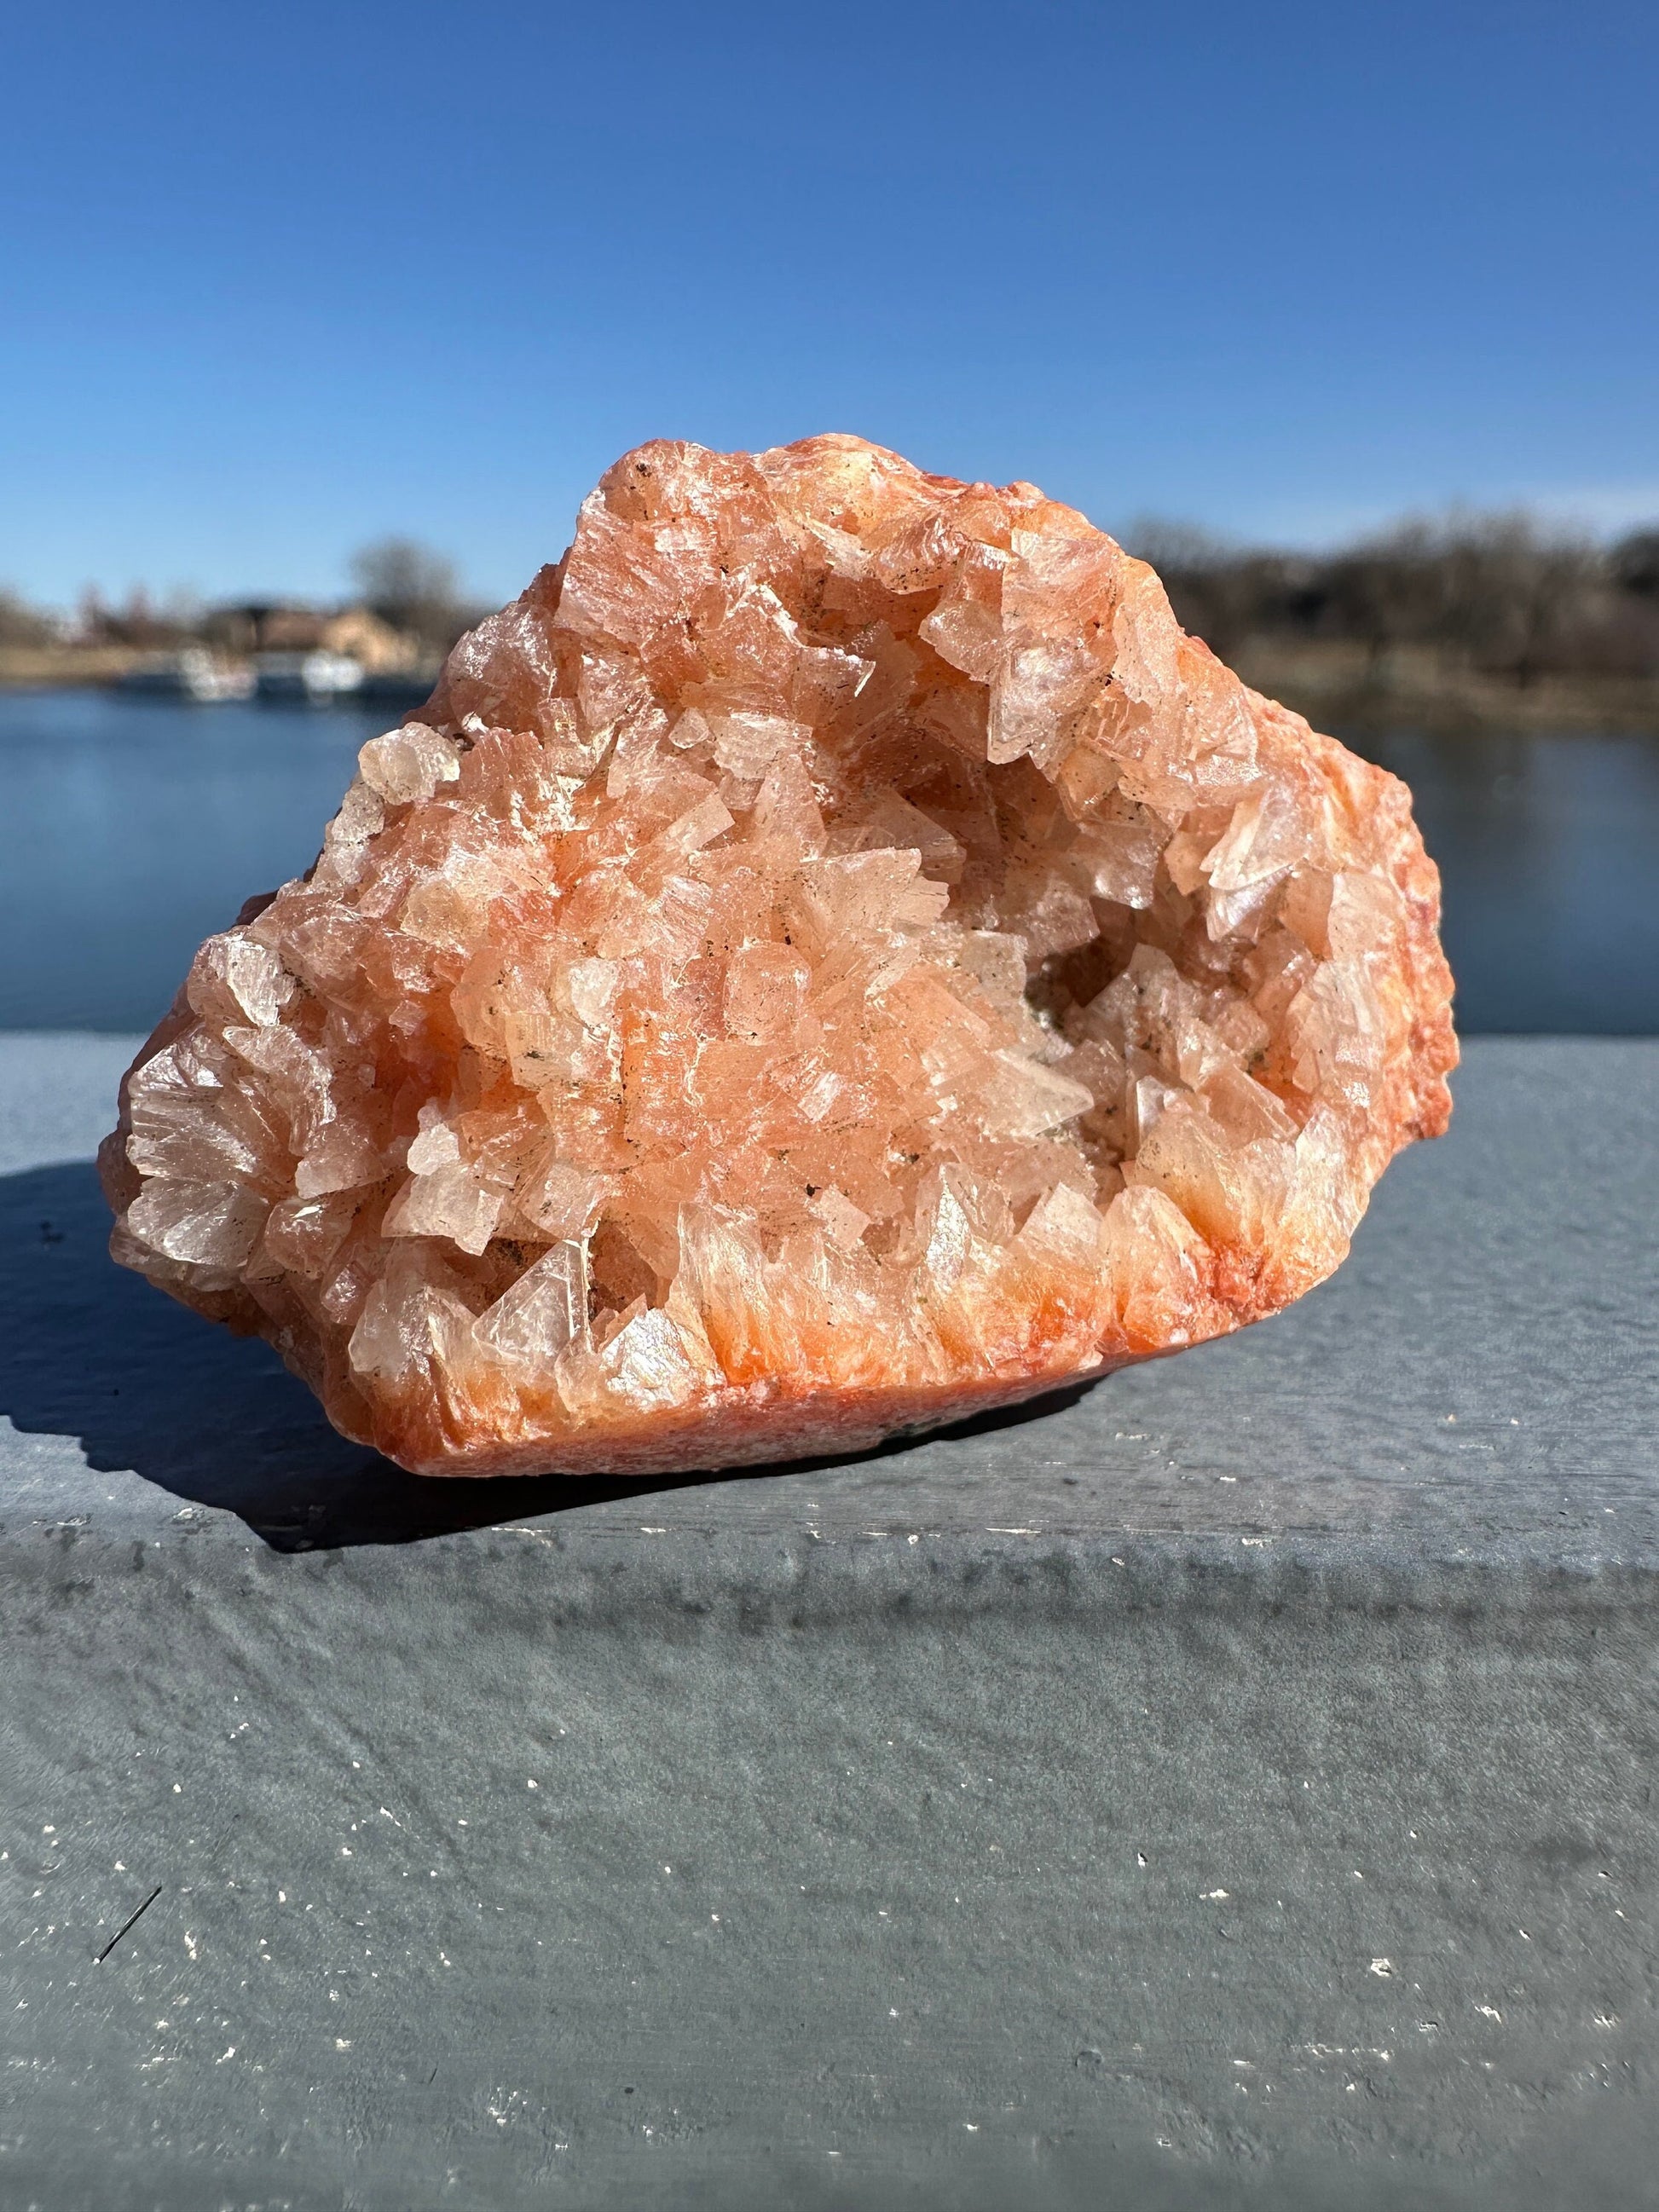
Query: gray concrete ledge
x=1232, y=1786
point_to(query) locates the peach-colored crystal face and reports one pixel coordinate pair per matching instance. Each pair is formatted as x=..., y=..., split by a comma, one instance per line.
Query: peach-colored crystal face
x=832, y=956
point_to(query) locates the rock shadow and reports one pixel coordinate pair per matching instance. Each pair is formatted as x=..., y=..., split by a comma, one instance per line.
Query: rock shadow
x=90, y=1351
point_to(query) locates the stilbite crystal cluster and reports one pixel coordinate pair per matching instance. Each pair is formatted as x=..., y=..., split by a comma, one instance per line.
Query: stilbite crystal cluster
x=832, y=956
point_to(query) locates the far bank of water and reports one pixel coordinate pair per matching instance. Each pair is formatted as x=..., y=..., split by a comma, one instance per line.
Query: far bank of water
x=130, y=829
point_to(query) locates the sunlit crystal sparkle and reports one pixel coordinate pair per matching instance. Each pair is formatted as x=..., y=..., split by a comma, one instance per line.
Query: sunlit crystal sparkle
x=832, y=956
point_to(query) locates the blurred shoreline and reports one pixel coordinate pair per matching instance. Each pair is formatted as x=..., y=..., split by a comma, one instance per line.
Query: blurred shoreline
x=1340, y=685
x=385, y=643
x=1483, y=623
x=1472, y=622
x=1335, y=683
x=113, y=668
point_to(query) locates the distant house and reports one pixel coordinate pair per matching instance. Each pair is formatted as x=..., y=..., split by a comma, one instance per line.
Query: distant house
x=259, y=627
x=374, y=645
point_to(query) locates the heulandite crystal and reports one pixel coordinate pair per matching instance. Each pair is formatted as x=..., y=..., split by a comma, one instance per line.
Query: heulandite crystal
x=832, y=957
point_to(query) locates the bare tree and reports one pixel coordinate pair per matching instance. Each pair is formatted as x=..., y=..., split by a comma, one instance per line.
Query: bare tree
x=413, y=589
x=1636, y=562
x=1500, y=592
x=20, y=624
x=1226, y=593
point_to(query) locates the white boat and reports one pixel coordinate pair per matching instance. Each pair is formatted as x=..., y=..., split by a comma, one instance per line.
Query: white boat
x=308, y=675
x=192, y=674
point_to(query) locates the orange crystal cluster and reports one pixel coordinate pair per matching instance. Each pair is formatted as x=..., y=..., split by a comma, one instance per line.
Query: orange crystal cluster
x=832, y=957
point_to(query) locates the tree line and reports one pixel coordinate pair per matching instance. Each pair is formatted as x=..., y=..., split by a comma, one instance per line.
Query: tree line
x=1503, y=594
x=415, y=591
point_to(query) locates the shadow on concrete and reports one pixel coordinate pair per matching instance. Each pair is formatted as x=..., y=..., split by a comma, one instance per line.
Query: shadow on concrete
x=89, y=1351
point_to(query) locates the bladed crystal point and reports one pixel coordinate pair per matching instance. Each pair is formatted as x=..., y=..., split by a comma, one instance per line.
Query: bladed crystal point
x=832, y=958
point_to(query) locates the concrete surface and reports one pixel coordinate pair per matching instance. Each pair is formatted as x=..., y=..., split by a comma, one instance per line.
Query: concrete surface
x=1231, y=1787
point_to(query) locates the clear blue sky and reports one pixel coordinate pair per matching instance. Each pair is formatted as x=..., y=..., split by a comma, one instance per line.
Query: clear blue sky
x=274, y=281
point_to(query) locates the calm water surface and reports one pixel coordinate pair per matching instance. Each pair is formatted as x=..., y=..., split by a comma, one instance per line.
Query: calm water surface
x=1548, y=849
x=130, y=829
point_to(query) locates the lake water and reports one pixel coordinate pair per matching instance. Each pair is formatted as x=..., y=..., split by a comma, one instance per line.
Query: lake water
x=130, y=829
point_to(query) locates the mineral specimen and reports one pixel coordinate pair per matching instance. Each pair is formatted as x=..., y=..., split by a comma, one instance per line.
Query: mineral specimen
x=830, y=958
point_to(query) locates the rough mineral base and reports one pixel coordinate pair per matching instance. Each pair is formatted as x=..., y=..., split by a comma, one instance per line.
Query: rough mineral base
x=833, y=956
